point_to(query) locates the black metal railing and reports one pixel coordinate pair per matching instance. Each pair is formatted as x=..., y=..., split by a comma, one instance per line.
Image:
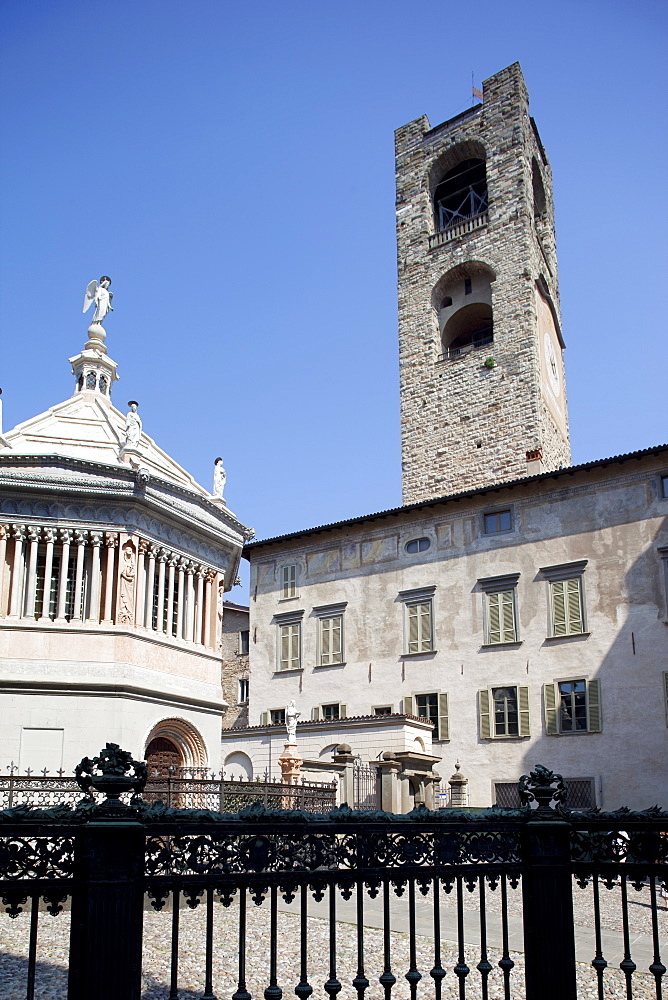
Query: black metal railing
x=458, y=352
x=185, y=788
x=349, y=901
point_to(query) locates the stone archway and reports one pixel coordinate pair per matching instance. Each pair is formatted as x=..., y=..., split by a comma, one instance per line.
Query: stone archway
x=176, y=737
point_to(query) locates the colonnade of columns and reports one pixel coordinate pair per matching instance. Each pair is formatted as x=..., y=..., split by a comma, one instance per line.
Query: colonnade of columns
x=70, y=574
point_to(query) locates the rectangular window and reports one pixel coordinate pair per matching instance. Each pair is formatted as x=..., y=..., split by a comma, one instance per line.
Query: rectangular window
x=664, y=487
x=289, y=584
x=418, y=627
x=567, y=617
x=331, y=712
x=504, y=711
x=243, y=690
x=383, y=710
x=289, y=646
x=277, y=716
x=244, y=636
x=572, y=706
x=331, y=640
x=432, y=706
x=501, y=623
x=566, y=598
x=498, y=520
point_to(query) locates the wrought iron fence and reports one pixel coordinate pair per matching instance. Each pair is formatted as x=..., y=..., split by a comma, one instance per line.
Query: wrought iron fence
x=366, y=786
x=183, y=789
x=381, y=873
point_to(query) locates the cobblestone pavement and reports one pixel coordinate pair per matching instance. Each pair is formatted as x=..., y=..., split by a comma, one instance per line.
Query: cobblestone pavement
x=53, y=940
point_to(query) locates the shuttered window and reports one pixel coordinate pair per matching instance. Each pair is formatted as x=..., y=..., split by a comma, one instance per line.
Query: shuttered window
x=501, y=623
x=567, y=617
x=504, y=711
x=331, y=640
x=433, y=706
x=289, y=578
x=418, y=617
x=289, y=646
x=572, y=706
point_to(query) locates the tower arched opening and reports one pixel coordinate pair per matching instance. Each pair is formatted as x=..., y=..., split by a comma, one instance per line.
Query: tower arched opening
x=539, y=200
x=461, y=193
x=463, y=306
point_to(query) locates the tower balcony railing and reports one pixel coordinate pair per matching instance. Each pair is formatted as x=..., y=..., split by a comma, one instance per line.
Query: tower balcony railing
x=458, y=352
x=461, y=228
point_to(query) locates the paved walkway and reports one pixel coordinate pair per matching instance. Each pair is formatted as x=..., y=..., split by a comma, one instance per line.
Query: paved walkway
x=585, y=944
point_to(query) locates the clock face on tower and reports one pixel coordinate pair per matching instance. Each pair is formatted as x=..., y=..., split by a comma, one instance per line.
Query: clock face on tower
x=551, y=362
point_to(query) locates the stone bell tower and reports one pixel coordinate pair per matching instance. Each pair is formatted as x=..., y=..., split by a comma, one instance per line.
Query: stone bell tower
x=482, y=379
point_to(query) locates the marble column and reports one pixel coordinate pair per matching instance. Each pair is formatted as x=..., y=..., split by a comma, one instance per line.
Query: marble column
x=199, y=605
x=95, y=577
x=110, y=541
x=163, y=555
x=18, y=534
x=180, y=634
x=173, y=563
x=150, y=580
x=141, y=582
x=80, y=539
x=65, y=536
x=210, y=577
x=190, y=601
x=4, y=531
x=49, y=536
x=31, y=577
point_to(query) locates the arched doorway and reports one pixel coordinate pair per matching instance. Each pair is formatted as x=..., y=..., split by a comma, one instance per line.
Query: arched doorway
x=177, y=738
x=163, y=757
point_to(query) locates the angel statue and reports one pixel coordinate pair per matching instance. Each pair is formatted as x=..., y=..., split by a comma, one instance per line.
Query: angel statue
x=98, y=292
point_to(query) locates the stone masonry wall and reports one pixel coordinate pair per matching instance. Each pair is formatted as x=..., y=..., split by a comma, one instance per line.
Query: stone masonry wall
x=234, y=664
x=464, y=425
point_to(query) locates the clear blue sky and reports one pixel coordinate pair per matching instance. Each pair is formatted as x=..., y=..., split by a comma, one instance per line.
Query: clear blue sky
x=231, y=167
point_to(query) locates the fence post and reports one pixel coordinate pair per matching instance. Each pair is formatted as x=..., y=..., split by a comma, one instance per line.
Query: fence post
x=107, y=911
x=108, y=894
x=547, y=892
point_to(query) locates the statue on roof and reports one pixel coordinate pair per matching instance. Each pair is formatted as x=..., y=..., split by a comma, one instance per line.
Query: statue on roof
x=219, y=478
x=132, y=425
x=98, y=293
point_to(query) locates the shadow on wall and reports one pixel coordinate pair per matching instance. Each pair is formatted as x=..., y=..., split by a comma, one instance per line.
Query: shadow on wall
x=627, y=705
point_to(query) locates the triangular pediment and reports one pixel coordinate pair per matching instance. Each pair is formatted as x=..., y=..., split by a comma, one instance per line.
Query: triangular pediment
x=89, y=428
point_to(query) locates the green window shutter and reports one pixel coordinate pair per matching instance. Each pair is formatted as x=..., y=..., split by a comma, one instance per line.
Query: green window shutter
x=264, y=718
x=574, y=605
x=315, y=713
x=551, y=710
x=413, y=629
x=336, y=628
x=325, y=640
x=665, y=691
x=493, y=618
x=425, y=626
x=508, y=616
x=343, y=712
x=485, y=720
x=443, y=732
x=559, y=620
x=285, y=646
x=594, y=706
x=408, y=705
x=523, y=704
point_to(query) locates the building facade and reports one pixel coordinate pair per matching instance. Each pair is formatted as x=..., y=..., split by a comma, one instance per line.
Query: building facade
x=514, y=603
x=113, y=563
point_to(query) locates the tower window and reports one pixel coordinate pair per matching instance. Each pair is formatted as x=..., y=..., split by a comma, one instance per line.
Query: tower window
x=417, y=545
x=461, y=194
x=467, y=286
